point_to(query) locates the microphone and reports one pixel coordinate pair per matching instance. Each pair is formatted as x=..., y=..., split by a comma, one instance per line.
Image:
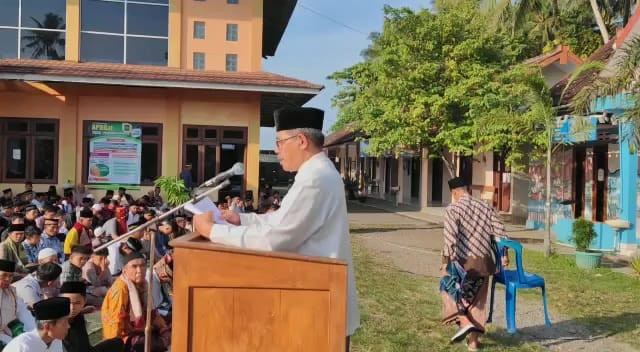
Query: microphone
x=235, y=170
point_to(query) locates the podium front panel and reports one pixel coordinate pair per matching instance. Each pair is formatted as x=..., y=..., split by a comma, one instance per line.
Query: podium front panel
x=237, y=300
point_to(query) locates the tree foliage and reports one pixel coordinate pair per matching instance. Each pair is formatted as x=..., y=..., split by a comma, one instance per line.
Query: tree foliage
x=441, y=80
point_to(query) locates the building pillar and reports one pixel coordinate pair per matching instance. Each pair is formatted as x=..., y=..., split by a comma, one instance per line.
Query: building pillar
x=72, y=33
x=401, y=184
x=424, y=178
x=629, y=185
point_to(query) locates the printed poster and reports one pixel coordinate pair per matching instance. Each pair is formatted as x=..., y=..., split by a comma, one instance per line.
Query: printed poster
x=115, y=151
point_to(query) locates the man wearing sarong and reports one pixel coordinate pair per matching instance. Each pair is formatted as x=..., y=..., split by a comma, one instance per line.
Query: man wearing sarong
x=469, y=225
x=124, y=308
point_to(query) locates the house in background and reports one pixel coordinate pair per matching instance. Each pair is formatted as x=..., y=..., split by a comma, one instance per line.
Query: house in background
x=120, y=92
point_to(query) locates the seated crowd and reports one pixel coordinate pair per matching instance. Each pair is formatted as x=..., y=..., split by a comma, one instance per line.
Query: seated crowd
x=51, y=275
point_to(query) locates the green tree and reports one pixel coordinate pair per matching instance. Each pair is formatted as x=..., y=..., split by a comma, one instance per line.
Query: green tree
x=430, y=79
x=45, y=44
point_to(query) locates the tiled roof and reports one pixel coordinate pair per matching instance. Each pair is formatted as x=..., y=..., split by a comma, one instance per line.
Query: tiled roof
x=603, y=54
x=561, y=53
x=344, y=135
x=147, y=74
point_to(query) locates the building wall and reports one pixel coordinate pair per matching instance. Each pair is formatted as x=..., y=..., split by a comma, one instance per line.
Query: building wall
x=247, y=14
x=137, y=105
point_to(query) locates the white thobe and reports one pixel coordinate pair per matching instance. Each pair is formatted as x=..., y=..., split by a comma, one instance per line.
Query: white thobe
x=13, y=307
x=32, y=342
x=29, y=290
x=312, y=220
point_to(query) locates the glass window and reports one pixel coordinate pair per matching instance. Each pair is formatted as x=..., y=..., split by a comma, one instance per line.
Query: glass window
x=198, y=61
x=147, y=51
x=17, y=126
x=232, y=32
x=233, y=134
x=192, y=133
x=198, y=30
x=46, y=127
x=210, y=133
x=147, y=20
x=232, y=2
x=16, y=158
x=101, y=48
x=232, y=63
x=102, y=16
x=49, y=14
x=150, y=131
x=149, y=162
x=43, y=159
x=8, y=43
x=209, y=161
x=9, y=13
x=166, y=2
x=42, y=45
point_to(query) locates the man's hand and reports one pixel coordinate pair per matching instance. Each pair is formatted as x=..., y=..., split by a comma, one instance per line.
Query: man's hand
x=231, y=217
x=202, y=224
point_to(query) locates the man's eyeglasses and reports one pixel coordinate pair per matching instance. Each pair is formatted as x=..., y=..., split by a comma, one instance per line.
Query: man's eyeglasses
x=279, y=142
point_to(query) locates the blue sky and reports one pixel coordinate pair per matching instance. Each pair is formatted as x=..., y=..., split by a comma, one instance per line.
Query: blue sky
x=313, y=46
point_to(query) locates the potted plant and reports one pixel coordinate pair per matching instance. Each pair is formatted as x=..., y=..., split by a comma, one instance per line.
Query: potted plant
x=582, y=236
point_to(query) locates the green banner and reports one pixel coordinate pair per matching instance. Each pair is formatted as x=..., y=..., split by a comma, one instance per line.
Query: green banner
x=115, y=152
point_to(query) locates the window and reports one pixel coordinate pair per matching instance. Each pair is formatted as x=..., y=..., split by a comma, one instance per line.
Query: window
x=198, y=61
x=232, y=32
x=198, y=30
x=33, y=29
x=209, y=155
x=150, y=156
x=125, y=31
x=234, y=2
x=29, y=150
x=232, y=63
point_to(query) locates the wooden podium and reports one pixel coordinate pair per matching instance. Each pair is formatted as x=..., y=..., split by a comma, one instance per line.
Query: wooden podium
x=237, y=300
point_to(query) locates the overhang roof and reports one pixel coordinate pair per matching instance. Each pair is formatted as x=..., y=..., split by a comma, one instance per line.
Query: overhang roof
x=603, y=54
x=341, y=136
x=275, y=18
x=561, y=54
x=277, y=90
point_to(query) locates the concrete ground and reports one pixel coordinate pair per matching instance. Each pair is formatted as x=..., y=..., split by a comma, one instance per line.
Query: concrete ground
x=414, y=243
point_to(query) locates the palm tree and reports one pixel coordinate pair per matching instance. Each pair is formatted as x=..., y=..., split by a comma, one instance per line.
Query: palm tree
x=45, y=44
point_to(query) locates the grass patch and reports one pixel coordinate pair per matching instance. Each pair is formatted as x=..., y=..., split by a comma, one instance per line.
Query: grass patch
x=606, y=301
x=401, y=312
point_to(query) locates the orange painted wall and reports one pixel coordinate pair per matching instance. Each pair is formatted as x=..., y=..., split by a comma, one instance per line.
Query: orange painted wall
x=172, y=109
x=216, y=15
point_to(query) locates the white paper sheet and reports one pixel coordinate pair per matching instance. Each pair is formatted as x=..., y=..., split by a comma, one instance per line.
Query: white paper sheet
x=204, y=206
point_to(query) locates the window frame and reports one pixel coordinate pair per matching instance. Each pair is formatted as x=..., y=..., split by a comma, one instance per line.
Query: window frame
x=201, y=142
x=20, y=29
x=86, y=126
x=204, y=61
x=233, y=2
x=30, y=137
x=124, y=33
x=229, y=37
x=226, y=62
x=204, y=30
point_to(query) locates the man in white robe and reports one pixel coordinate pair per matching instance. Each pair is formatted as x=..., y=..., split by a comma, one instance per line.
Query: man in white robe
x=53, y=324
x=13, y=311
x=312, y=219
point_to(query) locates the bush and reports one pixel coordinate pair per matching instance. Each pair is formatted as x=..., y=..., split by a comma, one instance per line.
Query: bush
x=635, y=265
x=582, y=234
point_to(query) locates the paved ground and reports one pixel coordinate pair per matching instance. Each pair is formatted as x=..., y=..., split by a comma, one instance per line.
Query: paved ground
x=414, y=244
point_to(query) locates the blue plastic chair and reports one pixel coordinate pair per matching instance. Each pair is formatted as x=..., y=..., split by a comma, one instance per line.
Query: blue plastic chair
x=513, y=280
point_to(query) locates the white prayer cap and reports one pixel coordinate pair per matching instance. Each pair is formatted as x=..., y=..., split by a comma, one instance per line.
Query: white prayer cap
x=99, y=231
x=46, y=253
x=116, y=197
x=90, y=196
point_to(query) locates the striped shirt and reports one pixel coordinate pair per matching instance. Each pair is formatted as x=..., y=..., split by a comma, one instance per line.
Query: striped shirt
x=468, y=226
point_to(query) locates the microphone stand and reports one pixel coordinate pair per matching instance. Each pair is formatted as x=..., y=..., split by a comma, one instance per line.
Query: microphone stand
x=152, y=256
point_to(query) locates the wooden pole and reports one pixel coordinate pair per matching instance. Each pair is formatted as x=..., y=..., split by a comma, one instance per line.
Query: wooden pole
x=547, y=220
x=147, y=327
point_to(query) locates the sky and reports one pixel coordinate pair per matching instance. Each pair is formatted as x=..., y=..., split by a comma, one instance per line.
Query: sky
x=314, y=46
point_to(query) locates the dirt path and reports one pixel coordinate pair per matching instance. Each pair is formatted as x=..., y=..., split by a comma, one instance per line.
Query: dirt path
x=415, y=248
